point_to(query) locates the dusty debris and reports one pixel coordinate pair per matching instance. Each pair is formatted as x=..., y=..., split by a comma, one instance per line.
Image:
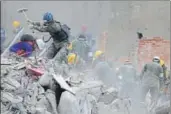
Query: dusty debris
x=55, y=91
x=70, y=102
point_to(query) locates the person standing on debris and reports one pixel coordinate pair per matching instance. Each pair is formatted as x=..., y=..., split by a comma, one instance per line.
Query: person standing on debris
x=60, y=34
x=81, y=47
x=150, y=78
x=25, y=47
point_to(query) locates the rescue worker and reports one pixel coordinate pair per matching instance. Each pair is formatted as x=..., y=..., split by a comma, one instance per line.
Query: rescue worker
x=58, y=32
x=98, y=56
x=127, y=73
x=25, y=47
x=162, y=63
x=150, y=78
x=88, y=35
x=75, y=61
x=81, y=47
x=17, y=26
x=163, y=80
x=103, y=71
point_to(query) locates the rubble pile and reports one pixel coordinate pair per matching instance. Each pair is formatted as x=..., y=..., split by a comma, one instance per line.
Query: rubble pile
x=37, y=86
x=23, y=92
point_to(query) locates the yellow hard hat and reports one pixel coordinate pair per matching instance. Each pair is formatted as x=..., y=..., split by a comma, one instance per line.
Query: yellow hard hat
x=71, y=58
x=16, y=24
x=98, y=53
x=161, y=62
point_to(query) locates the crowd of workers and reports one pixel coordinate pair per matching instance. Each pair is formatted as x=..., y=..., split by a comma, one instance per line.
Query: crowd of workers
x=80, y=52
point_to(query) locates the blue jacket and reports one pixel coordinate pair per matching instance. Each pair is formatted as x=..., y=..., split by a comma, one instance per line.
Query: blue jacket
x=28, y=48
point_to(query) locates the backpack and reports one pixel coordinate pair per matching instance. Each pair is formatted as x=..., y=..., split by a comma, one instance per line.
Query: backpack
x=65, y=31
x=64, y=28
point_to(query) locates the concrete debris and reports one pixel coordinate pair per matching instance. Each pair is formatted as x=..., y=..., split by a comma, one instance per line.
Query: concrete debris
x=57, y=91
x=68, y=104
x=22, y=93
x=60, y=80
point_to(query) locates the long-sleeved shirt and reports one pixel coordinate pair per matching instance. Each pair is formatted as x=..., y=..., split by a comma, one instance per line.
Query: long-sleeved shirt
x=150, y=74
x=26, y=47
x=54, y=28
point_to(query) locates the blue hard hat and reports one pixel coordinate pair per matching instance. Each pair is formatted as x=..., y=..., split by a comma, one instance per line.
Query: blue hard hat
x=48, y=17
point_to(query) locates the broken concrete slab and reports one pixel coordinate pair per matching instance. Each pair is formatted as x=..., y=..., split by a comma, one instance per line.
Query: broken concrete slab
x=6, y=97
x=50, y=95
x=68, y=104
x=89, y=85
x=12, y=82
x=60, y=80
x=45, y=79
x=19, y=66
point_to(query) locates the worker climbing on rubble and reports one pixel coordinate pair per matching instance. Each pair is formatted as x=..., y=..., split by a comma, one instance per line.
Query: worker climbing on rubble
x=60, y=34
x=25, y=47
x=150, y=78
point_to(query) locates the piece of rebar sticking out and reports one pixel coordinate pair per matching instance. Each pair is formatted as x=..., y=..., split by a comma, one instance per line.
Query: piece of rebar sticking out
x=140, y=35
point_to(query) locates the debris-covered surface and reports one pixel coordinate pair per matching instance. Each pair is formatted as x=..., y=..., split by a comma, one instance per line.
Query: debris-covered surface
x=37, y=87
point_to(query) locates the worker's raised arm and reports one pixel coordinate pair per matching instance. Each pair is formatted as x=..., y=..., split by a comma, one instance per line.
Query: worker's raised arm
x=41, y=28
x=36, y=23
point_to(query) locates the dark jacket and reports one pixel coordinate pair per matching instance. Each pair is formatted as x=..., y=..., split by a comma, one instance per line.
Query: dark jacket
x=150, y=74
x=54, y=28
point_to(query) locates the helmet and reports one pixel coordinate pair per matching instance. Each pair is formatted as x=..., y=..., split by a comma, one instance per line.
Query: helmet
x=98, y=53
x=71, y=58
x=16, y=24
x=156, y=59
x=48, y=17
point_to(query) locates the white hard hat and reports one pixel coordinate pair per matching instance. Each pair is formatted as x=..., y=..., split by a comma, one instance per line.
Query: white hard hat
x=156, y=57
